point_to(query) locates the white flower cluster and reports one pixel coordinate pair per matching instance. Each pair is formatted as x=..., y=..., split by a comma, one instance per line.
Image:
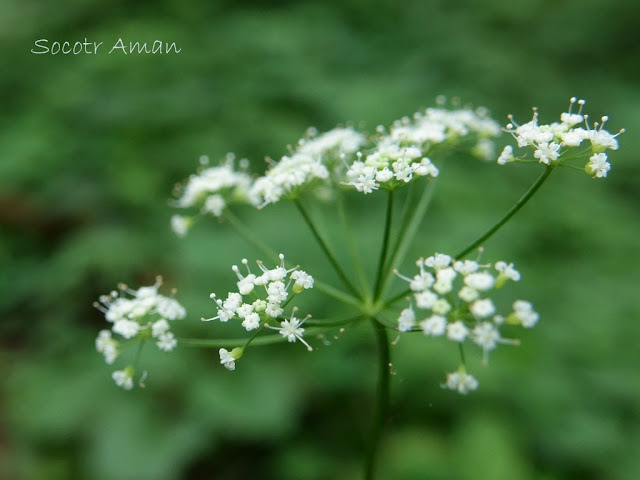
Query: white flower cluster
x=212, y=189
x=145, y=314
x=269, y=294
x=402, y=154
x=312, y=160
x=336, y=158
x=455, y=297
x=554, y=141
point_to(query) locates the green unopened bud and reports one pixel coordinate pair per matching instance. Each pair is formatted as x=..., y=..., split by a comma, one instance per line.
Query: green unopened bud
x=297, y=288
x=237, y=352
x=513, y=319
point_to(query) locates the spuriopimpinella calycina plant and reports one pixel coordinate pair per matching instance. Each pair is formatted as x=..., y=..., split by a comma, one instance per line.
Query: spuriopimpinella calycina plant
x=450, y=296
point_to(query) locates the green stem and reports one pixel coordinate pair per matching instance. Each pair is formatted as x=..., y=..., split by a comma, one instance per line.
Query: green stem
x=518, y=205
x=325, y=248
x=240, y=342
x=353, y=249
x=249, y=236
x=407, y=232
x=382, y=399
x=385, y=245
x=337, y=294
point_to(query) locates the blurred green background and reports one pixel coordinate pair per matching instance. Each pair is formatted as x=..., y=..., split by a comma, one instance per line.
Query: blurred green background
x=91, y=146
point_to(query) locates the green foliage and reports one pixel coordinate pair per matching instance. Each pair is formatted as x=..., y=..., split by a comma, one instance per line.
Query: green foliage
x=91, y=147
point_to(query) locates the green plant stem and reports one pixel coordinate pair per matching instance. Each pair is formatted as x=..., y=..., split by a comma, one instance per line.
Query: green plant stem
x=382, y=399
x=407, y=232
x=240, y=342
x=353, y=248
x=249, y=236
x=337, y=294
x=385, y=245
x=512, y=211
x=325, y=248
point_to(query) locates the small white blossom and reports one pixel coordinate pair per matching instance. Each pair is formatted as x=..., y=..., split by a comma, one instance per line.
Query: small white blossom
x=547, y=152
x=480, y=281
x=123, y=378
x=507, y=271
x=598, y=165
x=126, y=328
x=302, y=279
x=227, y=359
x=106, y=345
x=457, y=332
x=426, y=299
x=441, y=307
x=482, y=308
x=524, y=313
x=461, y=382
x=406, y=320
x=468, y=294
x=292, y=330
x=506, y=155
x=434, y=326
x=160, y=327
x=251, y=321
x=166, y=342
x=180, y=225
x=215, y=205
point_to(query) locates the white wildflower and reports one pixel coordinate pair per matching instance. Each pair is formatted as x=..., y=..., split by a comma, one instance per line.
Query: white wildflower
x=457, y=332
x=461, y=382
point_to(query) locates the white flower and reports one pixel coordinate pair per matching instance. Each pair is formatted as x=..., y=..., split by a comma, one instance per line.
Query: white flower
x=468, y=294
x=598, y=165
x=485, y=335
x=286, y=176
x=461, y=381
x=435, y=325
x=507, y=271
x=574, y=137
x=251, y=321
x=506, y=155
x=547, y=152
x=466, y=267
x=214, y=204
x=482, y=308
x=218, y=182
x=123, y=378
x=438, y=261
x=457, y=332
x=180, y=225
x=106, y=345
x=126, y=328
x=441, y=307
x=302, y=279
x=339, y=140
x=166, y=342
x=169, y=308
x=292, y=330
x=480, y=281
x=406, y=320
x=425, y=299
x=524, y=313
x=444, y=280
x=160, y=327
x=227, y=359
x=277, y=292
x=273, y=310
